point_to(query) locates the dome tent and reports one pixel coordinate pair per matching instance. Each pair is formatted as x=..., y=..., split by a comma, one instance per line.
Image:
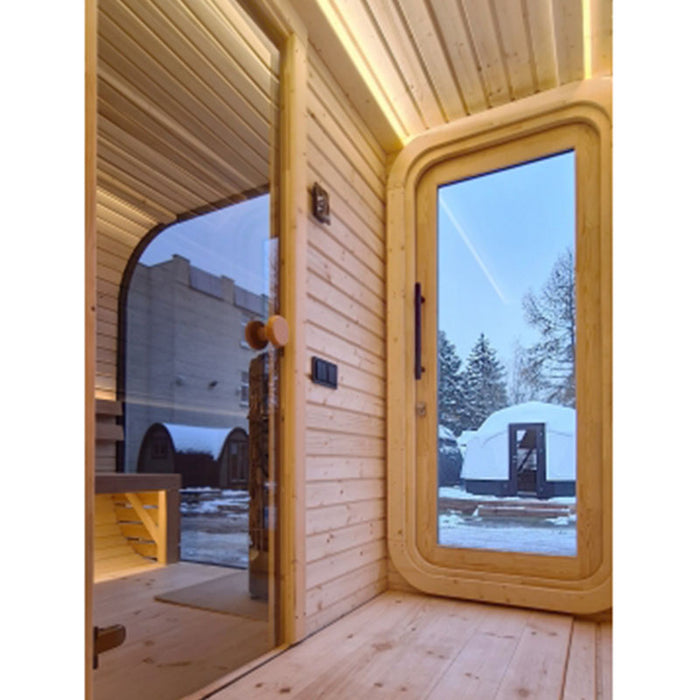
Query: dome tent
x=525, y=449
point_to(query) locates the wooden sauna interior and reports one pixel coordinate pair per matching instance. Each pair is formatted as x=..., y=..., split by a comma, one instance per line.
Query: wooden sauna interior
x=360, y=97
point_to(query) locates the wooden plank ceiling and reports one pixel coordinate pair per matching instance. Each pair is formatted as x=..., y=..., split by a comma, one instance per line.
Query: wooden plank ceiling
x=187, y=102
x=429, y=62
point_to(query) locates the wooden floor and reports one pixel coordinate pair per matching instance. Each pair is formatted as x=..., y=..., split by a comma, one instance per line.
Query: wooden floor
x=170, y=650
x=402, y=645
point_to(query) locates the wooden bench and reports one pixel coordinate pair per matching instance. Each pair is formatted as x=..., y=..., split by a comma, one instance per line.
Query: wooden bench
x=137, y=522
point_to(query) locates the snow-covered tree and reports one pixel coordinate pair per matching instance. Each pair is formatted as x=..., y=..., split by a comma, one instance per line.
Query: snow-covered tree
x=550, y=364
x=484, y=384
x=451, y=409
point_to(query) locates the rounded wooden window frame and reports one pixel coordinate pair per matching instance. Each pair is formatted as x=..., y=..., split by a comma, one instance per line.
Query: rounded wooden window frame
x=575, y=117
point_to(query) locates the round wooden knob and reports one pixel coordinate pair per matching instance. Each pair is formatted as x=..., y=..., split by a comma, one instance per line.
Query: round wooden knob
x=275, y=331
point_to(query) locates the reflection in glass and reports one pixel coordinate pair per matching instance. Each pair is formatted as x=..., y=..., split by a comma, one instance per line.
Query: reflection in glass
x=506, y=359
x=195, y=393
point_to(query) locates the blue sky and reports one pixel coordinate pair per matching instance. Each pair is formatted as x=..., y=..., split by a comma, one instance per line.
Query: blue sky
x=233, y=241
x=498, y=236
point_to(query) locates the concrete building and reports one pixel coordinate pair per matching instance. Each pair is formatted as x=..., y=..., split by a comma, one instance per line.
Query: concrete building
x=187, y=360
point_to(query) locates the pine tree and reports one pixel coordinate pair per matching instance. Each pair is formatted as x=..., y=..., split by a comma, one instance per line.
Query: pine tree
x=484, y=384
x=450, y=386
x=550, y=365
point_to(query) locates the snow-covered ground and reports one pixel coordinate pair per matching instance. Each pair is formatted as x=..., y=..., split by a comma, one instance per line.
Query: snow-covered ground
x=214, y=526
x=457, y=492
x=553, y=536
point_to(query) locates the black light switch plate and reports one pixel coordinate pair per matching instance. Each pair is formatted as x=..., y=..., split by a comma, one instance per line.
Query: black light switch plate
x=324, y=372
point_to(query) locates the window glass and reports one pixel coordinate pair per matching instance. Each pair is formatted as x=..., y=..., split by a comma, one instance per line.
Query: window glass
x=507, y=359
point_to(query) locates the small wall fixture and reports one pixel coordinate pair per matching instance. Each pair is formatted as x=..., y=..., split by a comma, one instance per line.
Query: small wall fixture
x=321, y=204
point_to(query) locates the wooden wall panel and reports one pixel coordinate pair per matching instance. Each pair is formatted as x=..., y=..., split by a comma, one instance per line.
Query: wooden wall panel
x=345, y=433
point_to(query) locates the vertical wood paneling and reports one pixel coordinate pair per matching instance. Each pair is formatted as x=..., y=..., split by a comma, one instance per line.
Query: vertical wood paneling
x=513, y=40
x=378, y=60
x=480, y=26
x=568, y=30
x=601, y=37
x=391, y=23
x=345, y=434
x=430, y=49
x=540, y=26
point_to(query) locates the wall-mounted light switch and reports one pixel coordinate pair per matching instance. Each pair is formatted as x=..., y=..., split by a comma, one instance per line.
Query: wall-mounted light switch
x=324, y=372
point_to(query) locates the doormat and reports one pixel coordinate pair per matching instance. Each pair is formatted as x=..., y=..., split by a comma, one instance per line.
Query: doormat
x=226, y=594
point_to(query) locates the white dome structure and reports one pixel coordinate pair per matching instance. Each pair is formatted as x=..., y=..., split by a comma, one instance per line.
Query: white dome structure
x=525, y=449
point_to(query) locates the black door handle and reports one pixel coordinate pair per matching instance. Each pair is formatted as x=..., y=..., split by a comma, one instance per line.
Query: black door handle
x=418, y=300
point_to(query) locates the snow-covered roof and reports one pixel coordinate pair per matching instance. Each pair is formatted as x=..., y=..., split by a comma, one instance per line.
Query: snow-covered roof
x=194, y=438
x=559, y=419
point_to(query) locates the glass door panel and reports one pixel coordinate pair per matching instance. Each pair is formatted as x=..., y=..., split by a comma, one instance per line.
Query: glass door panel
x=186, y=546
x=506, y=339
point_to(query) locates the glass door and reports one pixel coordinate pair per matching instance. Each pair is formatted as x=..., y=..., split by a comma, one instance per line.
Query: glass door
x=506, y=392
x=190, y=570
x=186, y=544
x=499, y=403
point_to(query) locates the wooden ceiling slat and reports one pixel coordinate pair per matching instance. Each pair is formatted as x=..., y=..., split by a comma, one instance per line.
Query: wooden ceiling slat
x=185, y=70
x=479, y=21
x=154, y=185
x=378, y=60
x=105, y=227
x=601, y=37
x=252, y=35
x=164, y=135
x=568, y=30
x=111, y=183
x=152, y=165
x=197, y=42
x=402, y=48
x=538, y=17
x=229, y=38
x=211, y=121
x=123, y=213
x=459, y=46
x=434, y=56
x=514, y=46
x=144, y=141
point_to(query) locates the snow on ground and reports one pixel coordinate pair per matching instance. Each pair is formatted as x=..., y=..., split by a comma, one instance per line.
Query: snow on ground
x=214, y=526
x=459, y=492
x=554, y=536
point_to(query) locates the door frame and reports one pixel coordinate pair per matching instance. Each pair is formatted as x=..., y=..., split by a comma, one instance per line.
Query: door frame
x=580, y=115
x=279, y=20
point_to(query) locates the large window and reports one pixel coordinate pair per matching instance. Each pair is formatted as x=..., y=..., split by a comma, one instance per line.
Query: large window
x=499, y=410
x=506, y=394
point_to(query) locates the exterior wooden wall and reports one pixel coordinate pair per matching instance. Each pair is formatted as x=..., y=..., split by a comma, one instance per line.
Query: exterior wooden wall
x=345, y=435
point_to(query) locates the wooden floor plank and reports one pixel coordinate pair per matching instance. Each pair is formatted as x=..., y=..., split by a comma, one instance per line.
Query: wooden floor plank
x=411, y=646
x=170, y=650
x=604, y=661
x=329, y=652
x=538, y=665
x=478, y=669
x=581, y=668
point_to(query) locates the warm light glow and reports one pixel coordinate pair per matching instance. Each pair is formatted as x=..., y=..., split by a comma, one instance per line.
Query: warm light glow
x=364, y=69
x=587, y=47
